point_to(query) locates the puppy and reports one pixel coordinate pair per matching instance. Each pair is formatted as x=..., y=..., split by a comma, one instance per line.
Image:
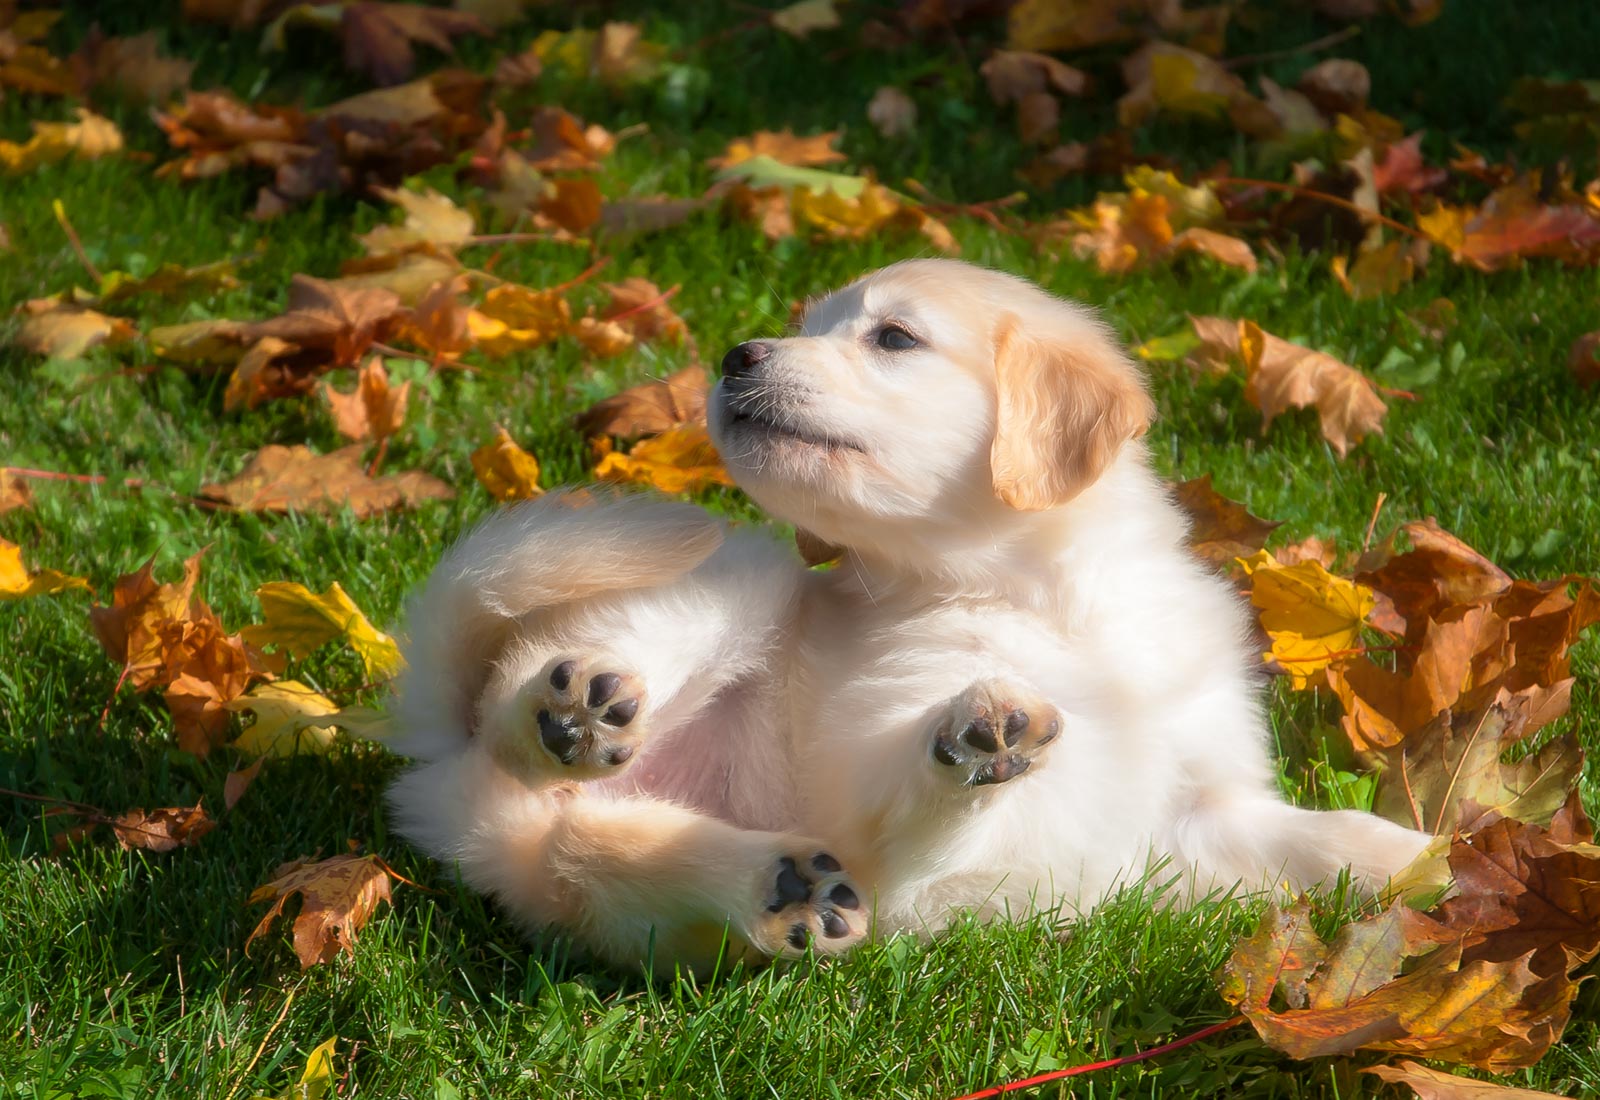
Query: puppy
x=1016, y=690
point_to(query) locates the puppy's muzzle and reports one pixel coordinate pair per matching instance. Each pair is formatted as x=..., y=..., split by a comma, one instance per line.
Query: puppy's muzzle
x=744, y=359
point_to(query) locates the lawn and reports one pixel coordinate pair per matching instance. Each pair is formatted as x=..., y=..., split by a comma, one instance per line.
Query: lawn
x=124, y=973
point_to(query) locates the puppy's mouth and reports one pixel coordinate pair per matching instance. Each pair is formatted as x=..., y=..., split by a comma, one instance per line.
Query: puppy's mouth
x=763, y=418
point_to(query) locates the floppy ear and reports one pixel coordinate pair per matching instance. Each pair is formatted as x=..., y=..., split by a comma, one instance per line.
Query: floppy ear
x=1063, y=413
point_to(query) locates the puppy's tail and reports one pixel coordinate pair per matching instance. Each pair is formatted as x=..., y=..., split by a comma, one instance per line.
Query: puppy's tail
x=541, y=554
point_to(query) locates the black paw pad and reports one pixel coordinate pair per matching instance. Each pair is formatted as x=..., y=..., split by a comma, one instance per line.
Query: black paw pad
x=792, y=886
x=561, y=675
x=620, y=714
x=980, y=735
x=825, y=863
x=1016, y=725
x=798, y=937
x=844, y=897
x=833, y=925
x=603, y=687
x=557, y=736
x=619, y=755
x=944, y=752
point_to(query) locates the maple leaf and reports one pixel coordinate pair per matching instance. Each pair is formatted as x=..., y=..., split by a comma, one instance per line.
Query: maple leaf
x=1032, y=81
x=649, y=408
x=301, y=621
x=317, y=1081
x=1313, y=617
x=639, y=306
x=1512, y=225
x=782, y=146
x=378, y=36
x=291, y=718
x=338, y=897
x=1336, y=86
x=14, y=492
x=1079, y=24
x=58, y=330
x=284, y=479
x=236, y=783
x=679, y=460
x=1156, y=219
x=514, y=318
x=373, y=410
x=337, y=320
x=162, y=830
x=1377, y=271
x=1432, y=1084
x=16, y=583
x=1438, y=573
x=1164, y=78
x=90, y=137
x=432, y=221
x=24, y=64
x=603, y=339
x=617, y=54
x=505, y=469
x=892, y=112
x=131, y=67
x=1220, y=529
x=562, y=143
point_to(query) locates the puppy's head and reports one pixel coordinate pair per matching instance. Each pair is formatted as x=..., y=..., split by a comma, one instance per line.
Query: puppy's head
x=929, y=393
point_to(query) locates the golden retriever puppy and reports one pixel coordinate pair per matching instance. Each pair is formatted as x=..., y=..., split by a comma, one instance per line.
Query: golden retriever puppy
x=1016, y=691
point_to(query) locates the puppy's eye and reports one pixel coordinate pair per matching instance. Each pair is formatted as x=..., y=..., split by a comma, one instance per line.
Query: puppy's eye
x=895, y=338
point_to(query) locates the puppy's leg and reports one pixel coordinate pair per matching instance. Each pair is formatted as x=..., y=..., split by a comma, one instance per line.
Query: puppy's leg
x=1252, y=838
x=992, y=732
x=629, y=875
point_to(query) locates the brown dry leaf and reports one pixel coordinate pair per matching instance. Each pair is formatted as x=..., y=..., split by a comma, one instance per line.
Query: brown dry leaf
x=602, y=339
x=1583, y=359
x=285, y=479
x=572, y=205
x=562, y=143
x=514, y=318
x=1401, y=169
x=14, y=492
x=16, y=583
x=892, y=112
x=782, y=146
x=162, y=830
x=1220, y=529
x=505, y=469
x=1078, y=24
x=1447, y=775
x=1219, y=246
x=24, y=64
x=1432, y=1084
x=1337, y=86
x=58, y=330
x=640, y=307
x=378, y=36
x=1484, y=981
x=237, y=782
x=132, y=67
x=1032, y=81
x=679, y=460
x=338, y=897
x=165, y=636
x=1440, y=573
x=1514, y=224
x=1283, y=376
x=90, y=137
x=372, y=410
x=336, y=320
x=439, y=322
x=1379, y=271
x=649, y=408
x=1157, y=218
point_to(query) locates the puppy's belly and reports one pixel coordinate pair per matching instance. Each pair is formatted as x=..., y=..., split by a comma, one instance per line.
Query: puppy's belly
x=728, y=761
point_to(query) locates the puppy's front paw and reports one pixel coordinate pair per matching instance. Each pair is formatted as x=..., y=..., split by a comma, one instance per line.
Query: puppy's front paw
x=807, y=898
x=580, y=714
x=992, y=732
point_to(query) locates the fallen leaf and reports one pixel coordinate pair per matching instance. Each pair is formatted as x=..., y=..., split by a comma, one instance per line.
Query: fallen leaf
x=781, y=146
x=679, y=460
x=1440, y=572
x=377, y=36
x=301, y=621
x=1513, y=225
x=90, y=137
x=649, y=408
x=291, y=718
x=373, y=410
x=505, y=469
x=1312, y=617
x=16, y=583
x=338, y=897
x=1337, y=86
x=58, y=330
x=1155, y=220
x=317, y=1080
x=1057, y=25
x=162, y=830
x=892, y=112
x=284, y=479
x=14, y=492
x=641, y=307
x=602, y=339
x=617, y=54
x=513, y=318
x=1220, y=529
x=1432, y=1084
x=431, y=221
x=236, y=783
x=1166, y=79
x=131, y=67
x=1376, y=271
x=801, y=18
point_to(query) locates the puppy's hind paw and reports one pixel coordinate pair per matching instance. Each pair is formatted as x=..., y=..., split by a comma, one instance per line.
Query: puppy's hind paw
x=580, y=714
x=992, y=733
x=808, y=900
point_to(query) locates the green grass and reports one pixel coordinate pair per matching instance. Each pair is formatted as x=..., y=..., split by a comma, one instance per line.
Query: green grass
x=123, y=974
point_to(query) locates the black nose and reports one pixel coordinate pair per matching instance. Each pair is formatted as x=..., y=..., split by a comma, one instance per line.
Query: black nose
x=743, y=359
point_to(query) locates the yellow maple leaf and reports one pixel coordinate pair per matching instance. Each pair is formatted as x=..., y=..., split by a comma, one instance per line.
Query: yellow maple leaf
x=16, y=583
x=292, y=718
x=515, y=318
x=91, y=136
x=675, y=461
x=505, y=469
x=1313, y=617
x=316, y=1080
x=301, y=620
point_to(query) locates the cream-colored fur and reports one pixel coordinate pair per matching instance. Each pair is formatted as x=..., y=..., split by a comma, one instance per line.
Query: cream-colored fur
x=1016, y=691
